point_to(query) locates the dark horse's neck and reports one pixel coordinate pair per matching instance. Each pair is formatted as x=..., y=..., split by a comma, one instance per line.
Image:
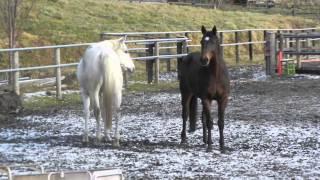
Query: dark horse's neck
x=216, y=65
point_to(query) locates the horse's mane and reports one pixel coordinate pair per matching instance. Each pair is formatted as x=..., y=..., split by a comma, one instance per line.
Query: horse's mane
x=114, y=43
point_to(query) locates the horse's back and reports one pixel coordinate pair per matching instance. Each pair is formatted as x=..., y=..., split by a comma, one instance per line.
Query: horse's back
x=90, y=69
x=188, y=71
x=188, y=64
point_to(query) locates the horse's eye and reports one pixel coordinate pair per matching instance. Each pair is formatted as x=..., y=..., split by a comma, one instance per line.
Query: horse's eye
x=126, y=51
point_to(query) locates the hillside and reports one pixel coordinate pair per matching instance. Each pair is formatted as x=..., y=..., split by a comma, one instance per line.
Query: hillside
x=66, y=21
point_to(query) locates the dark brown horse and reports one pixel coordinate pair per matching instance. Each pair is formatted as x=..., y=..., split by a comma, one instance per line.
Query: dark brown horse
x=204, y=75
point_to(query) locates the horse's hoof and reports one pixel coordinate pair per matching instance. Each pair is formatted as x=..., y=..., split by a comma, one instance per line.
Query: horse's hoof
x=115, y=143
x=97, y=142
x=225, y=150
x=183, y=142
x=205, y=140
x=85, y=139
x=209, y=148
x=107, y=138
x=191, y=130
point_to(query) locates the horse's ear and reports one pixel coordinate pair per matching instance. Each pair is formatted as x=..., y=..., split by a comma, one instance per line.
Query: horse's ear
x=214, y=30
x=122, y=39
x=203, y=30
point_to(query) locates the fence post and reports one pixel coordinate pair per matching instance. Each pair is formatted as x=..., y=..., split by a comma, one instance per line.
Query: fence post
x=149, y=63
x=221, y=47
x=280, y=35
x=16, y=74
x=287, y=46
x=293, y=10
x=168, y=52
x=102, y=37
x=237, y=47
x=290, y=40
x=157, y=61
x=58, y=72
x=313, y=42
x=179, y=51
x=250, y=46
x=309, y=44
x=270, y=53
x=185, y=47
x=186, y=42
x=298, y=48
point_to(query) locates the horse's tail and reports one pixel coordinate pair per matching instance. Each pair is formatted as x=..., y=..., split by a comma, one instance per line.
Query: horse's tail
x=108, y=90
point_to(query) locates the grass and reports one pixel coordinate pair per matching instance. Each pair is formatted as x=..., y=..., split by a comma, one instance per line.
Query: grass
x=73, y=100
x=65, y=22
x=50, y=102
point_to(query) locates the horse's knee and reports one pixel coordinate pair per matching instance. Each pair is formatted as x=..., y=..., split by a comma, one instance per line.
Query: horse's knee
x=221, y=123
x=96, y=112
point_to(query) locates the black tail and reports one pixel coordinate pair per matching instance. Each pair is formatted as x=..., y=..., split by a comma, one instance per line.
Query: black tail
x=193, y=114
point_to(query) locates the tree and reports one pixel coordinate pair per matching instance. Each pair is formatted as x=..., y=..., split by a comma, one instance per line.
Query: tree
x=217, y=3
x=12, y=14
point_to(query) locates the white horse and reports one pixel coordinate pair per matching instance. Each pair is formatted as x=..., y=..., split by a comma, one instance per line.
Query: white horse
x=100, y=77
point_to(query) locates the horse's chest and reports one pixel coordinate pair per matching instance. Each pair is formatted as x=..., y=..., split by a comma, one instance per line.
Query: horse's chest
x=209, y=88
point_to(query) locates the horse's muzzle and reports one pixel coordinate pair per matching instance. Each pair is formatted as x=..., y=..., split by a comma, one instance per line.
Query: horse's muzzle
x=204, y=61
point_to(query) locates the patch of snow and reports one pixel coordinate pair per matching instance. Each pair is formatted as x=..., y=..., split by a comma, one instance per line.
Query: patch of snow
x=263, y=150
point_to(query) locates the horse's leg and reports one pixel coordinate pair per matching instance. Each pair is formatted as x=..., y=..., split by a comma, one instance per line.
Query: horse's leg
x=86, y=109
x=193, y=114
x=107, y=132
x=222, y=104
x=204, y=128
x=186, y=97
x=107, y=109
x=206, y=108
x=116, y=132
x=97, y=114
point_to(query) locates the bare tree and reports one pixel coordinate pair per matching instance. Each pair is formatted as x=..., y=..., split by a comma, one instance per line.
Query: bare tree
x=215, y=3
x=12, y=14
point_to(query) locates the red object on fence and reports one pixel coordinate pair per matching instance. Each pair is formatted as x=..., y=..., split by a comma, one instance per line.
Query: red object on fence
x=279, y=64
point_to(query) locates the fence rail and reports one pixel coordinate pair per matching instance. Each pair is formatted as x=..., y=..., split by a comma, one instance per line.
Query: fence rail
x=152, y=49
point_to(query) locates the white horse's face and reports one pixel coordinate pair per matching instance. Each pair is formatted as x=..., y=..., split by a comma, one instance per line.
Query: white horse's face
x=125, y=59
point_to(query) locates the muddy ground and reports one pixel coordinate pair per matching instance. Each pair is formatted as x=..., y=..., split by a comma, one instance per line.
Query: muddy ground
x=271, y=127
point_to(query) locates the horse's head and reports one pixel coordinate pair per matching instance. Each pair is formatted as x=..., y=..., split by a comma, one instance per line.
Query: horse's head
x=209, y=45
x=125, y=59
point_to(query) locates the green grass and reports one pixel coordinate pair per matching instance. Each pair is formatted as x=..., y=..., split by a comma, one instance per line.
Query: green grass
x=73, y=100
x=50, y=102
x=65, y=21
x=76, y=21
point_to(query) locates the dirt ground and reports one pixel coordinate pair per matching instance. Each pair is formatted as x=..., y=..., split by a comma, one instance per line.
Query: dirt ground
x=271, y=127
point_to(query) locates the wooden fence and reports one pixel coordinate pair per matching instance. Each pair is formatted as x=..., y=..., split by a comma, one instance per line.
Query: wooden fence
x=151, y=48
x=281, y=47
x=236, y=43
x=15, y=70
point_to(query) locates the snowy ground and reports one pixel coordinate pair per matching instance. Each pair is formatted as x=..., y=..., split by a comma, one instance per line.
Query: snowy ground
x=271, y=126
